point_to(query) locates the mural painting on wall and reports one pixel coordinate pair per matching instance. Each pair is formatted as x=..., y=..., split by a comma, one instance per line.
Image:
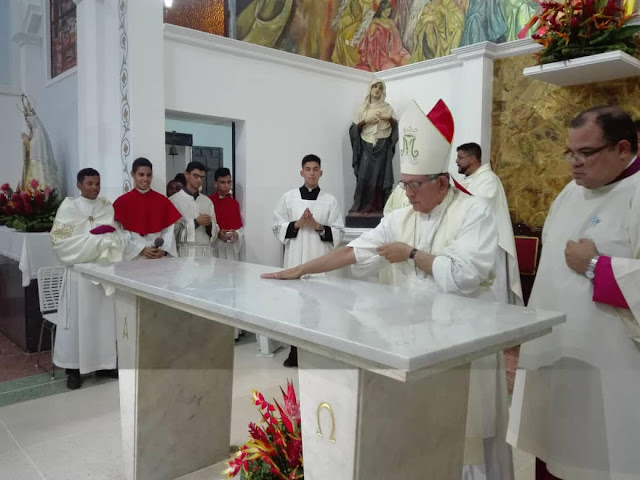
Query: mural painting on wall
x=529, y=133
x=375, y=35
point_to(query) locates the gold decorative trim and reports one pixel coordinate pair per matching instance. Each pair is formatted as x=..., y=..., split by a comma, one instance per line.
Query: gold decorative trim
x=325, y=405
x=61, y=232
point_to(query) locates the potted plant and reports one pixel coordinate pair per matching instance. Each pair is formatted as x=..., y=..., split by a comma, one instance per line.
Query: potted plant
x=274, y=449
x=579, y=28
x=32, y=209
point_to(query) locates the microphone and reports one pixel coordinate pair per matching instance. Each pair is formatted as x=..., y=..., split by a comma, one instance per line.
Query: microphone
x=158, y=242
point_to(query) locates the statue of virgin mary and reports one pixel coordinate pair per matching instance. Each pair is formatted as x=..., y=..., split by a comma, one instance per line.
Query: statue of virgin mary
x=39, y=163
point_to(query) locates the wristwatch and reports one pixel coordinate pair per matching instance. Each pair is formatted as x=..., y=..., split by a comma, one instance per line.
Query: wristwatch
x=590, y=273
x=413, y=253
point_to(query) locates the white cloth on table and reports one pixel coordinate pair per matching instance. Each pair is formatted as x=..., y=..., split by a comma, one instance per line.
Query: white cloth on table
x=32, y=251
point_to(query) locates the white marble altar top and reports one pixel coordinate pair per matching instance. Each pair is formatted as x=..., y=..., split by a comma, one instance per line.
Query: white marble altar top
x=394, y=328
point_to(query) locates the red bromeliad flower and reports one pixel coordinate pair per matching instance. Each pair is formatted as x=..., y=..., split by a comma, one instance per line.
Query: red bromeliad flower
x=34, y=183
x=274, y=448
x=576, y=28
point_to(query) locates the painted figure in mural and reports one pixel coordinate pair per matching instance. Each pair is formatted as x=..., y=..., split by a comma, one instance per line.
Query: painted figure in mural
x=516, y=14
x=438, y=29
x=263, y=21
x=379, y=42
x=373, y=134
x=484, y=22
x=347, y=22
x=38, y=161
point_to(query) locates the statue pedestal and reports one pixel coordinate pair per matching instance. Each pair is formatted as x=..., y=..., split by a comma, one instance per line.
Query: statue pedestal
x=363, y=220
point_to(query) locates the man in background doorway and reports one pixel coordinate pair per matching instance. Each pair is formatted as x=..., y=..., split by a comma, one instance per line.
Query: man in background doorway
x=227, y=210
x=197, y=231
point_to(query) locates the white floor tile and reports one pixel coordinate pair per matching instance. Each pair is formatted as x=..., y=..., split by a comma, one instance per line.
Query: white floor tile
x=94, y=453
x=7, y=443
x=15, y=465
x=49, y=418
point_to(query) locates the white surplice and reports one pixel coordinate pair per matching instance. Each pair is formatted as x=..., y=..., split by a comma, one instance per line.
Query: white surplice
x=192, y=240
x=307, y=245
x=86, y=338
x=485, y=184
x=135, y=243
x=462, y=233
x=576, y=396
x=230, y=250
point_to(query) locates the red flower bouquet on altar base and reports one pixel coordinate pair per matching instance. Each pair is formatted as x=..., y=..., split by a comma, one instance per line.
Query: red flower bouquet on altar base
x=578, y=28
x=30, y=210
x=274, y=449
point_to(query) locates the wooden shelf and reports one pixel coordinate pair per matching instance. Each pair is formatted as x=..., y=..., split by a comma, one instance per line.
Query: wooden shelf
x=594, y=68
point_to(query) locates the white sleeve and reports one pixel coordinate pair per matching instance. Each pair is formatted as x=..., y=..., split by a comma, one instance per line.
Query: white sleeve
x=470, y=258
x=133, y=244
x=281, y=220
x=336, y=222
x=237, y=245
x=214, y=224
x=364, y=247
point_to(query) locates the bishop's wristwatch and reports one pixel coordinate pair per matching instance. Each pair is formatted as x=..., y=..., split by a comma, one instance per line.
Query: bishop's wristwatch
x=590, y=273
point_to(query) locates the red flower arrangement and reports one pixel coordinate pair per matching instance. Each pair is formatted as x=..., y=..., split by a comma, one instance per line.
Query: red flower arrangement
x=578, y=28
x=274, y=449
x=32, y=209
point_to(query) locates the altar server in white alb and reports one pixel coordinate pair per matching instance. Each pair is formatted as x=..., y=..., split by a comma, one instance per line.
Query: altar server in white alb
x=227, y=208
x=197, y=230
x=481, y=182
x=576, y=401
x=445, y=242
x=84, y=231
x=308, y=222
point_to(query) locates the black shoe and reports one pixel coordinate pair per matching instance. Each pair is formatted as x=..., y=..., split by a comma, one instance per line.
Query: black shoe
x=292, y=359
x=107, y=373
x=73, y=379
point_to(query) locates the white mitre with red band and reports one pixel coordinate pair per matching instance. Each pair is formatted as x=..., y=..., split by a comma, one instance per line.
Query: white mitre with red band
x=426, y=139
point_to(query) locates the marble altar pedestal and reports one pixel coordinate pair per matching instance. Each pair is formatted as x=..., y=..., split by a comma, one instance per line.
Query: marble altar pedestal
x=384, y=372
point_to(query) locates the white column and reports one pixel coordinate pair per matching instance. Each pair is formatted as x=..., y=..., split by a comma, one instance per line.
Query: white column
x=146, y=84
x=99, y=92
x=477, y=97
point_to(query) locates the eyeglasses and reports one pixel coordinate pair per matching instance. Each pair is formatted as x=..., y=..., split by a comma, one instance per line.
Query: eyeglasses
x=462, y=158
x=582, y=157
x=416, y=185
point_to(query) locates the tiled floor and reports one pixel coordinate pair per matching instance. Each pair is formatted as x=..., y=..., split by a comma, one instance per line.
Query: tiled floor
x=14, y=363
x=76, y=435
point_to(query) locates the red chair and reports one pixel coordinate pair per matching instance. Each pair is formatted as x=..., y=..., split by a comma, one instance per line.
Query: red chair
x=527, y=251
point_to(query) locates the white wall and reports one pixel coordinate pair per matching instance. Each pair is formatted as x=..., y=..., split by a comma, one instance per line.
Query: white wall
x=285, y=107
x=55, y=103
x=205, y=135
x=10, y=141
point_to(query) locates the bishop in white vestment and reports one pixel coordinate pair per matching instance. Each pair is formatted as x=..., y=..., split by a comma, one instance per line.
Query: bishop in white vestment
x=445, y=242
x=84, y=231
x=576, y=396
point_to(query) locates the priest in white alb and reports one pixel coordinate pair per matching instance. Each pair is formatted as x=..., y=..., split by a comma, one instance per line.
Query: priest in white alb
x=308, y=222
x=576, y=400
x=197, y=231
x=481, y=182
x=446, y=241
x=84, y=231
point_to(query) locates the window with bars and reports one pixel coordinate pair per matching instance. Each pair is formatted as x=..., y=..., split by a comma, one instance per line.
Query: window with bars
x=62, y=28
